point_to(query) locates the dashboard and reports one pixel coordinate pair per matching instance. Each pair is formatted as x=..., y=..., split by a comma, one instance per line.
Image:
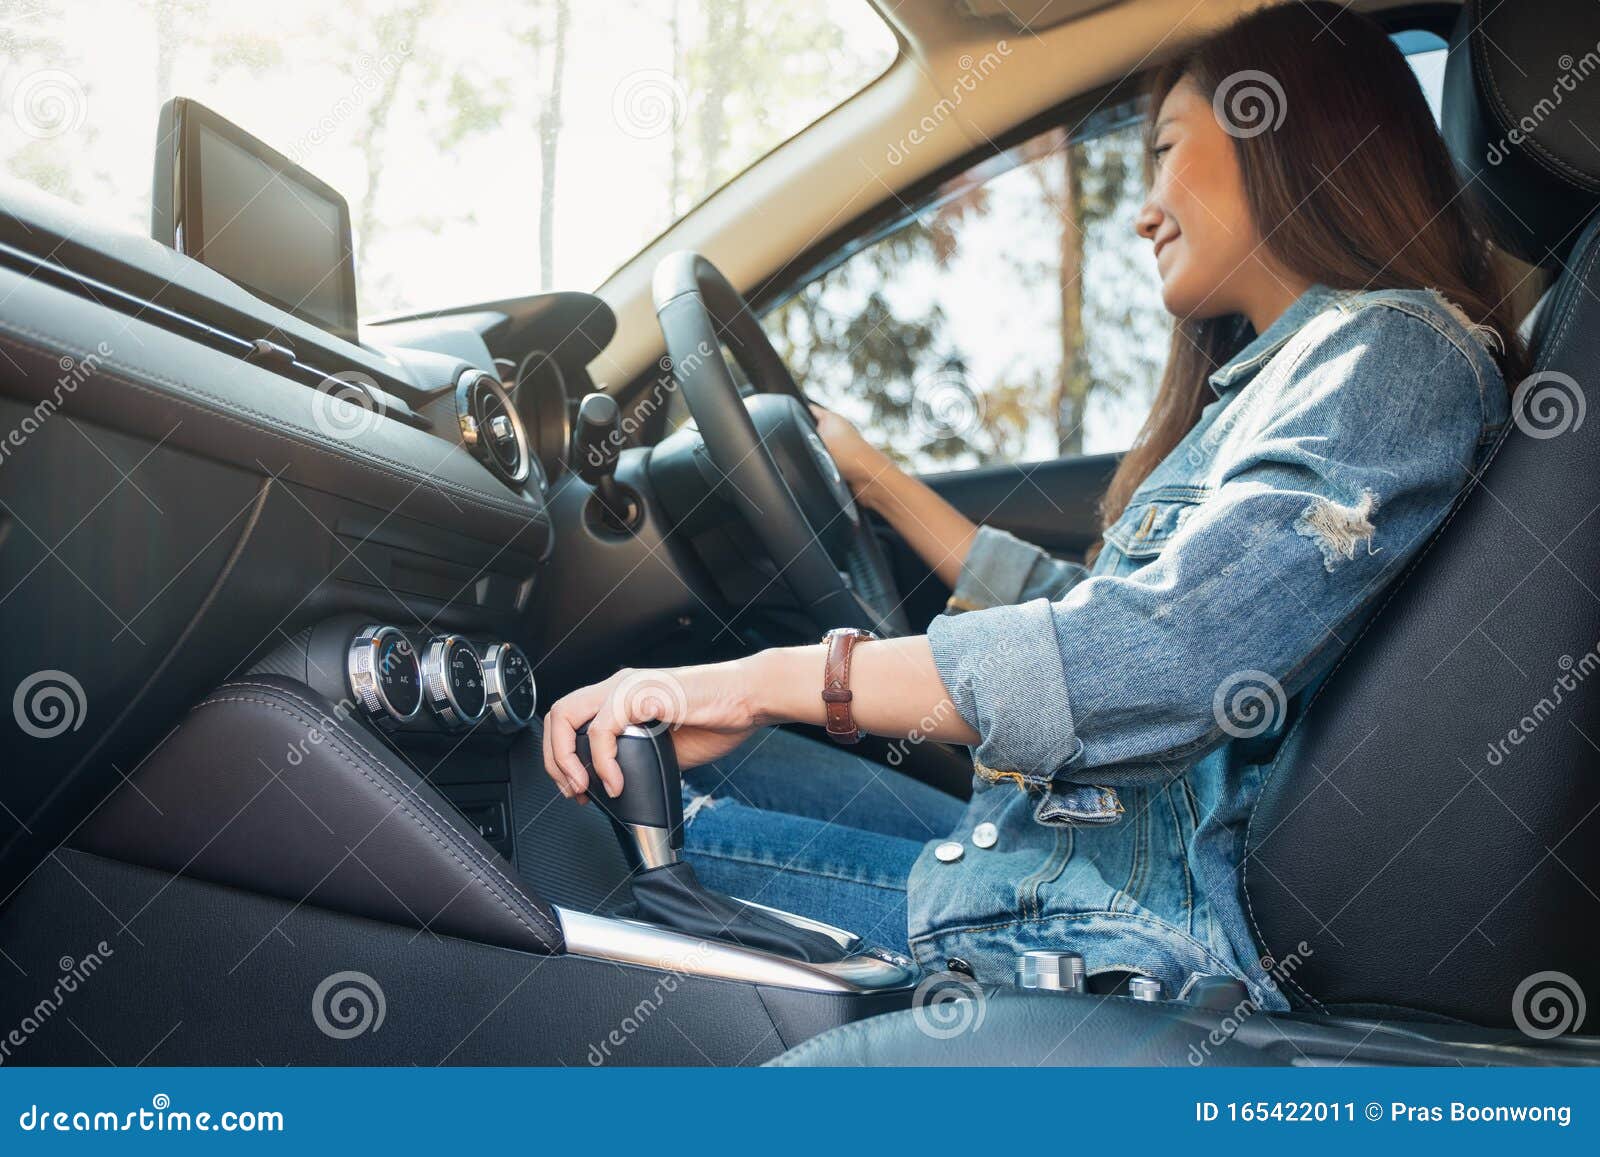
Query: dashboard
x=194, y=477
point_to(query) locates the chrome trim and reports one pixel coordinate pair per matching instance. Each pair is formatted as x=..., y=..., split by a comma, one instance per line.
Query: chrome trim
x=651, y=946
x=494, y=688
x=441, y=696
x=361, y=667
x=473, y=435
x=838, y=935
x=654, y=845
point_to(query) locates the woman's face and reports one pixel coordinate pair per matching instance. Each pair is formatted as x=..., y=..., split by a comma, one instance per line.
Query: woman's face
x=1207, y=247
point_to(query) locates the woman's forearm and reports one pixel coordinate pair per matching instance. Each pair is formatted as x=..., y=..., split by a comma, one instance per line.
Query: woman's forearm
x=940, y=534
x=896, y=686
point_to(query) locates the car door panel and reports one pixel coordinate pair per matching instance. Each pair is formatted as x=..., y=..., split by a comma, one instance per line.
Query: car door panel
x=1054, y=505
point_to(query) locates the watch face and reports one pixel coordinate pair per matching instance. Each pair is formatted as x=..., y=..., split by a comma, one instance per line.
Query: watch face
x=399, y=675
x=465, y=676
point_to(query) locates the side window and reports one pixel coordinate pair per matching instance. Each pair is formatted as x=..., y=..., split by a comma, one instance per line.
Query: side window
x=1426, y=53
x=1015, y=316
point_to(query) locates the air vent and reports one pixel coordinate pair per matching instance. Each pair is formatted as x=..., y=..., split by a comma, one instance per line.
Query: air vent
x=491, y=427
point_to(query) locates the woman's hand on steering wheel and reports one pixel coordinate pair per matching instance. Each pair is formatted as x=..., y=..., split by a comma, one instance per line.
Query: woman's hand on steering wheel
x=708, y=708
x=859, y=461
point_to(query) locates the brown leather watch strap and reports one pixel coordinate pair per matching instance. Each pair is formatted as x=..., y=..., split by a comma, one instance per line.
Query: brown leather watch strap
x=836, y=693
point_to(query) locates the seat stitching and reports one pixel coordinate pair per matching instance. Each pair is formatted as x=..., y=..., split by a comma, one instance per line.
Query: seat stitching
x=401, y=805
x=407, y=788
x=1552, y=164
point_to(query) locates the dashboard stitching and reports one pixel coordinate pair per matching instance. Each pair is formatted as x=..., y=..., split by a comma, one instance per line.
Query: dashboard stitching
x=382, y=767
x=229, y=411
x=401, y=804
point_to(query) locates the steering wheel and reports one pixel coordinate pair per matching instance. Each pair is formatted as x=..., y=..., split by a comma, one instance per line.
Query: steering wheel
x=802, y=513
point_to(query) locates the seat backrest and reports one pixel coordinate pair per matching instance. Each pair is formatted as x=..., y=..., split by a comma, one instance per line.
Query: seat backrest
x=1430, y=828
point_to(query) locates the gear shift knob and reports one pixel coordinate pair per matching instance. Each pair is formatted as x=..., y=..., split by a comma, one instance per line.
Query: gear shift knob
x=650, y=808
x=649, y=816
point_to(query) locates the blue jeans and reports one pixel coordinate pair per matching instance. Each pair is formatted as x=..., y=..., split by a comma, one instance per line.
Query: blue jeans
x=809, y=827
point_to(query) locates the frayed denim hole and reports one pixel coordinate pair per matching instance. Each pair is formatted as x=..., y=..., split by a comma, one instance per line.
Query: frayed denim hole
x=1339, y=531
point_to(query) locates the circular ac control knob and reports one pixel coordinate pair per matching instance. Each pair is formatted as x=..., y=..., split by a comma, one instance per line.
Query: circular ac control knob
x=1048, y=969
x=452, y=680
x=385, y=676
x=508, y=683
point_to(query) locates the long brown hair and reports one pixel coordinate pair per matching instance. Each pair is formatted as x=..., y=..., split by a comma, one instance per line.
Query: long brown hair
x=1354, y=189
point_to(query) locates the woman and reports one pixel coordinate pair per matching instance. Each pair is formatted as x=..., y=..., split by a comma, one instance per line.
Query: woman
x=1338, y=367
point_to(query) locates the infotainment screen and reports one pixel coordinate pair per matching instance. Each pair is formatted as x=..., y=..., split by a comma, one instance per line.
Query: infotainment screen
x=237, y=205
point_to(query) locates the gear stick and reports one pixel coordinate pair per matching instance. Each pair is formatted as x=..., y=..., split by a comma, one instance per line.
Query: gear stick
x=648, y=816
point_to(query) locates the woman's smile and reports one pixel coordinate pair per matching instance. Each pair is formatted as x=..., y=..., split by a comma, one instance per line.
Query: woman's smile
x=1163, y=242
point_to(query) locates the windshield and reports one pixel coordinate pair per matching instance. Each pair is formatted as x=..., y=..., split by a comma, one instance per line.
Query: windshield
x=487, y=150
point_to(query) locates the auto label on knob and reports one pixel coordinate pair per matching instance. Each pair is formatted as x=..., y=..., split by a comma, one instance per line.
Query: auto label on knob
x=452, y=675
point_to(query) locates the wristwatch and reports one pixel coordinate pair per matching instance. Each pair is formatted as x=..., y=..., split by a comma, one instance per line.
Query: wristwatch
x=836, y=693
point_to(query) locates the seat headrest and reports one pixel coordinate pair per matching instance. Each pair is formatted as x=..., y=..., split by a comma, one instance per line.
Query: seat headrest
x=1522, y=118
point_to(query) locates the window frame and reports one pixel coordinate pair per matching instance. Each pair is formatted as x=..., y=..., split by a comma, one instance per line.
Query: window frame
x=1082, y=110
x=900, y=206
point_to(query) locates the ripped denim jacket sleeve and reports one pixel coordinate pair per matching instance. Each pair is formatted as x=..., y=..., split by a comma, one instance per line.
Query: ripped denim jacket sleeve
x=1241, y=563
x=1001, y=569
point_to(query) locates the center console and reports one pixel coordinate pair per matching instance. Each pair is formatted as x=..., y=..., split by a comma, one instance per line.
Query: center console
x=377, y=777
x=454, y=706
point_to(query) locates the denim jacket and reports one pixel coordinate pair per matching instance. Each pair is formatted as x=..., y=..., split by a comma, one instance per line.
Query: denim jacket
x=1127, y=712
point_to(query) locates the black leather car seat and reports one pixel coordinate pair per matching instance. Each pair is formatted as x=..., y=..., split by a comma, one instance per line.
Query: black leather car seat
x=1431, y=826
